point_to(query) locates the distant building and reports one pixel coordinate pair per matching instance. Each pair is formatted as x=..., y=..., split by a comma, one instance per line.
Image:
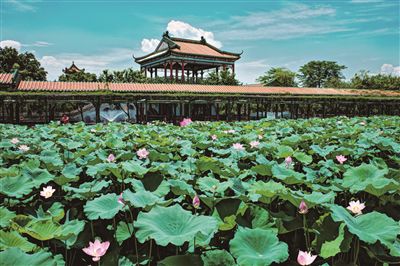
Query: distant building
x=184, y=60
x=73, y=69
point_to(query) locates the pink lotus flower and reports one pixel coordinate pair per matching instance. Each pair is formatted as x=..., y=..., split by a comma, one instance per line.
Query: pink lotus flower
x=305, y=258
x=142, y=153
x=238, y=146
x=196, y=202
x=185, y=122
x=363, y=123
x=111, y=158
x=93, y=130
x=341, y=159
x=260, y=136
x=288, y=161
x=254, y=144
x=47, y=192
x=214, y=137
x=356, y=207
x=303, y=208
x=96, y=249
x=23, y=148
x=121, y=199
x=14, y=140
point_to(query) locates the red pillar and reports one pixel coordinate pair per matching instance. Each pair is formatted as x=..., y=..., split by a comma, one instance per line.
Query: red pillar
x=183, y=71
x=171, y=75
x=176, y=74
x=165, y=70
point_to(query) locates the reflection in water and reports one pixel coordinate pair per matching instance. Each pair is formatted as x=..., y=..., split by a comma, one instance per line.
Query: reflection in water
x=108, y=113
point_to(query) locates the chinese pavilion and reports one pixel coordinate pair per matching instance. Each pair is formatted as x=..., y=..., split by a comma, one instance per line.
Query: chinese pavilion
x=184, y=60
x=72, y=69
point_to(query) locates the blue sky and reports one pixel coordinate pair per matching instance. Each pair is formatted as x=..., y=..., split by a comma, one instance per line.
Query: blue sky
x=361, y=34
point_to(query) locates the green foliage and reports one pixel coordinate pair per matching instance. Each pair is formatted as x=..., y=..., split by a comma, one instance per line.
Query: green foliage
x=258, y=247
x=278, y=77
x=81, y=76
x=318, y=74
x=223, y=77
x=364, y=80
x=248, y=213
x=123, y=76
x=28, y=66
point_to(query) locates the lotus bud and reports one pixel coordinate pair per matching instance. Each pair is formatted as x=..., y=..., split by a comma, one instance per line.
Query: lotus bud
x=303, y=208
x=196, y=202
x=305, y=258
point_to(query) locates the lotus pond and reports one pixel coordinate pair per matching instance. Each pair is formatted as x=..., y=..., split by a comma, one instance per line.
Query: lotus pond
x=289, y=192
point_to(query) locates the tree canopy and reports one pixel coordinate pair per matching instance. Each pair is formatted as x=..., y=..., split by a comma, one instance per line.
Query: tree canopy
x=278, y=77
x=123, y=76
x=224, y=77
x=320, y=73
x=78, y=76
x=26, y=63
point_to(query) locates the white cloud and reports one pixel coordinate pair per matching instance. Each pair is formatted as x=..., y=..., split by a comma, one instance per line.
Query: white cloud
x=11, y=43
x=293, y=21
x=38, y=44
x=365, y=1
x=389, y=69
x=149, y=45
x=117, y=58
x=184, y=30
x=23, y=6
x=249, y=71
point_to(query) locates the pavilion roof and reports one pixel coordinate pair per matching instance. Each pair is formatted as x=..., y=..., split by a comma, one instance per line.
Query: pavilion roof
x=52, y=86
x=188, y=47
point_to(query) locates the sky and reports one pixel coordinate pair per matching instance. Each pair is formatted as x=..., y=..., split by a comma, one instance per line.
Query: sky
x=97, y=35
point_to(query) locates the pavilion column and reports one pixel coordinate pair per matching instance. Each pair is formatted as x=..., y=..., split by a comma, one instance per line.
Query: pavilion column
x=216, y=70
x=183, y=71
x=155, y=72
x=224, y=67
x=171, y=75
x=201, y=73
x=187, y=75
x=176, y=74
x=151, y=73
x=165, y=70
x=145, y=72
x=233, y=69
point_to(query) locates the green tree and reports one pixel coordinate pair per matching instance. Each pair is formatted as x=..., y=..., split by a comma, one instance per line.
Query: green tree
x=78, y=76
x=365, y=80
x=278, y=77
x=224, y=77
x=123, y=76
x=320, y=73
x=27, y=65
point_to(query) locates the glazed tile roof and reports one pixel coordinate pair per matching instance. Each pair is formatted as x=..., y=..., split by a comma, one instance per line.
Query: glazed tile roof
x=198, y=48
x=6, y=78
x=51, y=86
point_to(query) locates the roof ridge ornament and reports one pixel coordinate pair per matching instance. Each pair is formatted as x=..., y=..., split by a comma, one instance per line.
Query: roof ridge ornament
x=166, y=34
x=203, y=40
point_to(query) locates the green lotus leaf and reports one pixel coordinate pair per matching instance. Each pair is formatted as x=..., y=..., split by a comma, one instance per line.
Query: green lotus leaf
x=100, y=169
x=37, y=176
x=69, y=231
x=103, y=207
x=331, y=248
x=283, y=151
x=70, y=173
x=302, y=157
x=369, y=178
x=258, y=247
x=87, y=189
x=55, y=212
x=141, y=199
x=13, y=239
x=262, y=169
x=179, y=187
x=268, y=190
x=16, y=186
x=15, y=256
x=134, y=167
x=123, y=232
x=181, y=260
x=5, y=216
x=288, y=176
x=40, y=230
x=51, y=158
x=173, y=225
x=383, y=228
x=217, y=258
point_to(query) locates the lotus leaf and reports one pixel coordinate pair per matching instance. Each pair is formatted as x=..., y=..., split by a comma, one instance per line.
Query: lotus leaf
x=103, y=207
x=15, y=256
x=258, y=247
x=173, y=225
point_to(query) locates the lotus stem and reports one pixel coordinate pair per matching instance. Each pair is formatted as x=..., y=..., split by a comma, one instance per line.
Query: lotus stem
x=151, y=242
x=134, y=237
x=91, y=228
x=306, y=235
x=356, y=249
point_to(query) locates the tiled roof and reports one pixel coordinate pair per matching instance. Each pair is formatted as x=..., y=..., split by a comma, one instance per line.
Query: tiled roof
x=198, y=48
x=6, y=78
x=188, y=88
